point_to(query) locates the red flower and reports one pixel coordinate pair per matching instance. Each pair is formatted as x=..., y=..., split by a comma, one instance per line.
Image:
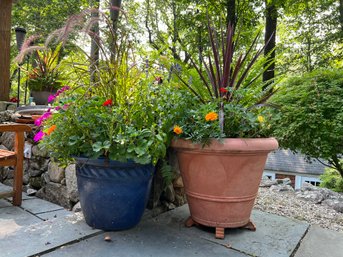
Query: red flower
x=223, y=90
x=108, y=102
x=14, y=100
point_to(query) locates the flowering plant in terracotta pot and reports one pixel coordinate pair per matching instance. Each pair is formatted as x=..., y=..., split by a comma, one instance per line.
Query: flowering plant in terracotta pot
x=229, y=100
x=220, y=140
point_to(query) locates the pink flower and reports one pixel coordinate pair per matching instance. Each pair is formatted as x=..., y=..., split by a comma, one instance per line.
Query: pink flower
x=51, y=98
x=57, y=108
x=65, y=107
x=38, y=136
x=65, y=88
x=38, y=121
x=46, y=115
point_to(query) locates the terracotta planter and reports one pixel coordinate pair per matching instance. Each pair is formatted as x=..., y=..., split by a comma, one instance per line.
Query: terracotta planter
x=221, y=180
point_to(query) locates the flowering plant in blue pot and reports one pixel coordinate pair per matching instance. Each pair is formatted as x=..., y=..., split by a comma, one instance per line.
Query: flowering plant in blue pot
x=115, y=128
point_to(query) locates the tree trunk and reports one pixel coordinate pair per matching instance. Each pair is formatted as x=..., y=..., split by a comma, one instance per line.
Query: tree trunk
x=114, y=13
x=335, y=161
x=175, y=32
x=309, y=66
x=270, y=35
x=231, y=12
x=5, y=40
x=94, y=55
x=341, y=13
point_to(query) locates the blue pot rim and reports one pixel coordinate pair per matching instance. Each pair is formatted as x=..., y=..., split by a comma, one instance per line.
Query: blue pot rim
x=105, y=162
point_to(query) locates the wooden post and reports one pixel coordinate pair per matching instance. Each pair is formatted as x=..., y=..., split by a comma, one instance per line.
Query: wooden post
x=5, y=48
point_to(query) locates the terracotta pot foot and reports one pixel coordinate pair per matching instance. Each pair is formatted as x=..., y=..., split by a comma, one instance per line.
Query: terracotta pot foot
x=190, y=222
x=220, y=233
x=250, y=225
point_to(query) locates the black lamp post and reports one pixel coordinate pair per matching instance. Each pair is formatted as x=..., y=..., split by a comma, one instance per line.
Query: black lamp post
x=20, y=36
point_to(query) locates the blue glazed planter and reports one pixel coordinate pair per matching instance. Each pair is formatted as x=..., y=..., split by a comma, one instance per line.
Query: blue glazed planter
x=113, y=195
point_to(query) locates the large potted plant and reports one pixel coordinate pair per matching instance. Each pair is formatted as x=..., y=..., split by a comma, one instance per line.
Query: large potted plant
x=114, y=128
x=219, y=140
x=115, y=148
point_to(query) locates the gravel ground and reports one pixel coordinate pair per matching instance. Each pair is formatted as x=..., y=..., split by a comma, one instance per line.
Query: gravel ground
x=288, y=205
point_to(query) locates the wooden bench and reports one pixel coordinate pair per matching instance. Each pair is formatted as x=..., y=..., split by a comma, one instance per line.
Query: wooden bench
x=14, y=158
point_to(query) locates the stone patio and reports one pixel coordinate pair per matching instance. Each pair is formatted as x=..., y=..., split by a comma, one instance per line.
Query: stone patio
x=41, y=228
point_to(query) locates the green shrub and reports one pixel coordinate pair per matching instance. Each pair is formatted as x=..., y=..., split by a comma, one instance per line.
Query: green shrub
x=332, y=179
x=309, y=117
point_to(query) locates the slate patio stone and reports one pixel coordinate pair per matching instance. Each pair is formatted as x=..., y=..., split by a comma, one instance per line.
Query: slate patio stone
x=276, y=236
x=65, y=233
x=147, y=239
x=53, y=214
x=320, y=242
x=13, y=219
x=36, y=205
x=4, y=188
x=4, y=203
x=44, y=235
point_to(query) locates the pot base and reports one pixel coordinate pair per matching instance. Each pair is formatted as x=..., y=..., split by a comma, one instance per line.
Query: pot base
x=220, y=231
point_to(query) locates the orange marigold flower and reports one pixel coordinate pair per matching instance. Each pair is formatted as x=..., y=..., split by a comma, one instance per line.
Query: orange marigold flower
x=177, y=130
x=211, y=116
x=108, y=102
x=51, y=129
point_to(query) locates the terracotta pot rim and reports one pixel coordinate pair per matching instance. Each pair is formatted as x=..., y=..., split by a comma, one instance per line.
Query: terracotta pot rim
x=228, y=144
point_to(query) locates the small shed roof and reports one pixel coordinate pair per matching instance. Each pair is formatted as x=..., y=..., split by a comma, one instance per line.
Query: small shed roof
x=286, y=161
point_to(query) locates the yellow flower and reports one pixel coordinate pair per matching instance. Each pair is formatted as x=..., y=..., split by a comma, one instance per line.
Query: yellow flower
x=51, y=129
x=177, y=130
x=260, y=118
x=211, y=116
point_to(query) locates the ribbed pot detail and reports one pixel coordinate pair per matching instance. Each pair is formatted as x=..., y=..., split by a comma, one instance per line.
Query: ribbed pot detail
x=113, y=195
x=221, y=180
